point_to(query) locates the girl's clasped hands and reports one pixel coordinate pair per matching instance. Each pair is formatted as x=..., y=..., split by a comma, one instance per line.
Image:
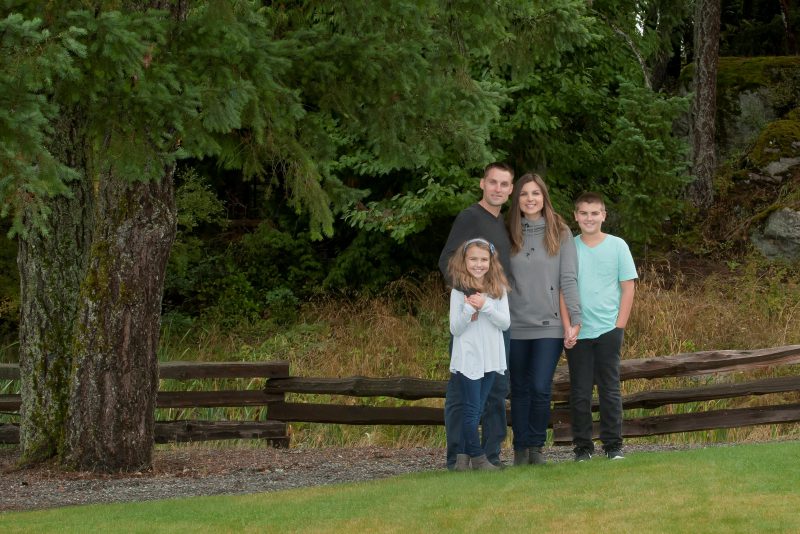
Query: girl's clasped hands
x=476, y=300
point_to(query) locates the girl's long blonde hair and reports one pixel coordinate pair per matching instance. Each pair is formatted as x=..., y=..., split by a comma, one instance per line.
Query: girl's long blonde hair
x=493, y=283
x=554, y=224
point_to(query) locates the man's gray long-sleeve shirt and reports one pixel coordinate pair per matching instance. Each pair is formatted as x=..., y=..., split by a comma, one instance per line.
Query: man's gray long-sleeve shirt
x=474, y=222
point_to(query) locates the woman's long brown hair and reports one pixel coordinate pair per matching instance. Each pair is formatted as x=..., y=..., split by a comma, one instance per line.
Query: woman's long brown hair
x=554, y=224
x=494, y=282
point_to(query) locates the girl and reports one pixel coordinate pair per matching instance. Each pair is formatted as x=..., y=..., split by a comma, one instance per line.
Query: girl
x=544, y=266
x=478, y=315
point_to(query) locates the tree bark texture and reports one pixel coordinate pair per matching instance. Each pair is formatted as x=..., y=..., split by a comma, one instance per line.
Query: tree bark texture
x=52, y=262
x=791, y=38
x=704, y=106
x=113, y=391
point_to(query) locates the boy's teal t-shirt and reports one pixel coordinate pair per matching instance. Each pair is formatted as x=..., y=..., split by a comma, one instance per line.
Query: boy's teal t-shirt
x=600, y=270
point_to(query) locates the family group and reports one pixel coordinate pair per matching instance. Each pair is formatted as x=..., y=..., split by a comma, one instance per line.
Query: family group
x=523, y=290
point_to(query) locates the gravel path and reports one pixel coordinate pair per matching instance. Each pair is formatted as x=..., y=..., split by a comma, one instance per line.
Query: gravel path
x=190, y=471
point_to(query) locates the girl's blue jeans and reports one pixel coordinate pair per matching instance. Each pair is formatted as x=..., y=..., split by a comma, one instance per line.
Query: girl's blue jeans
x=474, y=394
x=493, y=421
x=532, y=363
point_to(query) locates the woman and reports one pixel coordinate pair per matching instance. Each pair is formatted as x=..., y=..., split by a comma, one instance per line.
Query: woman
x=543, y=266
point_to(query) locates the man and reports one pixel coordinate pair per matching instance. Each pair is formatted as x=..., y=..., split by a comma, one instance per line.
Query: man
x=606, y=275
x=482, y=219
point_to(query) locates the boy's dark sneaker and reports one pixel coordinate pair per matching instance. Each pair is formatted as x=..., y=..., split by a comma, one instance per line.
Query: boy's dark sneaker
x=583, y=455
x=615, y=454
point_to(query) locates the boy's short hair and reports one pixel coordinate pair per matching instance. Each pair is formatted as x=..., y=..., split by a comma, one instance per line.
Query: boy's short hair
x=590, y=197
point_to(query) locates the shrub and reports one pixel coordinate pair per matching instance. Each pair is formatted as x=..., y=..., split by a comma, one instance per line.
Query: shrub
x=281, y=305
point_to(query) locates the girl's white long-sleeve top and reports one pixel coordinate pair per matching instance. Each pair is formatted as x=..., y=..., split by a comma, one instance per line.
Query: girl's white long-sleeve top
x=478, y=346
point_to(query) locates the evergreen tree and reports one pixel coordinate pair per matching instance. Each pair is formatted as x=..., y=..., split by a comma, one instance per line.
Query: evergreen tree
x=104, y=98
x=704, y=105
x=584, y=117
x=759, y=27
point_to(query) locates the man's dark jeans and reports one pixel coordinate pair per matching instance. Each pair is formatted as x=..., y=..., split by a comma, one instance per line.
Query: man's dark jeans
x=493, y=420
x=596, y=361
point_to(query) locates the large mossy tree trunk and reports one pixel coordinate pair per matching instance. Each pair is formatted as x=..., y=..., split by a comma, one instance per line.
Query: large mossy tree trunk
x=704, y=106
x=113, y=391
x=52, y=264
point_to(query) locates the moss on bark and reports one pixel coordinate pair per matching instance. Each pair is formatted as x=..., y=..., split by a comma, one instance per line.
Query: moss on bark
x=52, y=262
x=113, y=392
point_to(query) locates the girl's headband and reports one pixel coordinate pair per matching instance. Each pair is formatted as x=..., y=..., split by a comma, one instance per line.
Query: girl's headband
x=479, y=240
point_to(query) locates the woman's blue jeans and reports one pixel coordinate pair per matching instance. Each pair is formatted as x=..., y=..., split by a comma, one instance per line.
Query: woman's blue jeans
x=532, y=363
x=474, y=394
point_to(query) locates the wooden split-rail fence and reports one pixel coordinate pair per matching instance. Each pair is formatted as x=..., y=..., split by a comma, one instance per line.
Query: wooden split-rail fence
x=714, y=364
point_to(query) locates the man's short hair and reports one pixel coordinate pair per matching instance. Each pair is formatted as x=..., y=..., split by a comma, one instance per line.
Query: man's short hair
x=500, y=166
x=590, y=197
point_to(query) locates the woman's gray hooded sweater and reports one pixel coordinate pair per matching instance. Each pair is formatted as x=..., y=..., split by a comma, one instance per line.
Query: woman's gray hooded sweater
x=537, y=280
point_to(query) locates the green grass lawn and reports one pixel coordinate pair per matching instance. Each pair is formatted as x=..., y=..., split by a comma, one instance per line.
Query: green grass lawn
x=746, y=488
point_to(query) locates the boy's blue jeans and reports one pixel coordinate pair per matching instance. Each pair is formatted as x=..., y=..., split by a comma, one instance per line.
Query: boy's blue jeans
x=493, y=419
x=473, y=395
x=596, y=361
x=532, y=364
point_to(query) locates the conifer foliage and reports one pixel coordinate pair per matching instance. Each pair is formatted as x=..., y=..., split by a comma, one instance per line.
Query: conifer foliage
x=100, y=100
x=380, y=110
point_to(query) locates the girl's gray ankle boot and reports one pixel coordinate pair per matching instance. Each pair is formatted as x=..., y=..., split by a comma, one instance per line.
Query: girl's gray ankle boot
x=462, y=462
x=521, y=457
x=536, y=456
x=483, y=464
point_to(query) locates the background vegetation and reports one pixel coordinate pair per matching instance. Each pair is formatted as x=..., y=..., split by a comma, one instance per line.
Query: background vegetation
x=404, y=332
x=345, y=283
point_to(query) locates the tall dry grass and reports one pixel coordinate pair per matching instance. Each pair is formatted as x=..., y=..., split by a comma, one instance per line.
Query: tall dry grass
x=745, y=309
x=405, y=333
x=737, y=307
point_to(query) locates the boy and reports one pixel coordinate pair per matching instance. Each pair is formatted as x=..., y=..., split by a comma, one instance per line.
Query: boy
x=606, y=275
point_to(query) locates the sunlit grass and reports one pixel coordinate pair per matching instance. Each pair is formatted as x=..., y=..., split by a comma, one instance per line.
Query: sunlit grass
x=746, y=488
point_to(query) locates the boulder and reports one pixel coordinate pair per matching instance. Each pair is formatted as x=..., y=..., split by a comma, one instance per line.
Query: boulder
x=780, y=237
x=776, y=168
